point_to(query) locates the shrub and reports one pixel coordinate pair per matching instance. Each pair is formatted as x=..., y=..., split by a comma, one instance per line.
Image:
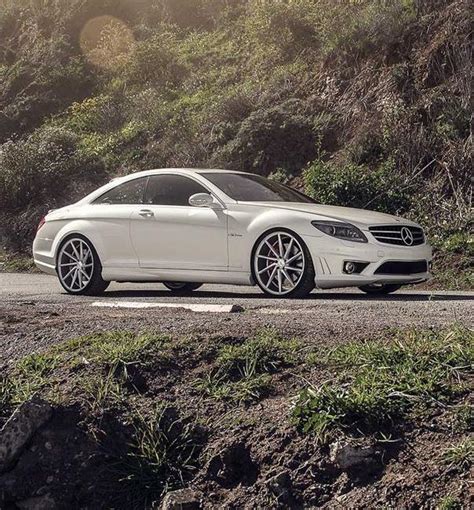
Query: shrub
x=357, y=186
x=283, y=136
x=42, y=171
x=156, y=62
x=44, y=168
x=42, y=71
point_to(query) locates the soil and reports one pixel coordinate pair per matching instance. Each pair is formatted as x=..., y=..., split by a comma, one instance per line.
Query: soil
x=247, y=456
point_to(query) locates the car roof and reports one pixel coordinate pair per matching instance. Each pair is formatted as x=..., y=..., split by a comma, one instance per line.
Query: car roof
x=183, y=171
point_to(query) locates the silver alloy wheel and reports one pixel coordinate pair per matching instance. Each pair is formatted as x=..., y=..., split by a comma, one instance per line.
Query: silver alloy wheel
x=75, y=265
x=279, y=263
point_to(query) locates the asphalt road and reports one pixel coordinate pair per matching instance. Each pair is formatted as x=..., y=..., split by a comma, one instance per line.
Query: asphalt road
x=35, y=312
x=40, y=288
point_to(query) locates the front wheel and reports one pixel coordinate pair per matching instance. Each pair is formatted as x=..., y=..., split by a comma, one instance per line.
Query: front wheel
x=282, y=265
x=79, y=268
x=182, y=287
x=380, y=288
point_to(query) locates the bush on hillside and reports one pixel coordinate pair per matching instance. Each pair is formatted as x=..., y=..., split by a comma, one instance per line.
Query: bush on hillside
x=40, y=71
x=356, y=186
x=43, y=171
x=285, y=136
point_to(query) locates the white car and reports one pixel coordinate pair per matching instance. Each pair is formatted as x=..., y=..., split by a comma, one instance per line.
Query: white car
x=186, y=227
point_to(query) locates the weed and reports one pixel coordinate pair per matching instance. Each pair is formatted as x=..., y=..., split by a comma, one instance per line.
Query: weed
x=38, y=365
x=19, y=264
x=103, y=390
x=449, y=503
x=382, y=383
x=242, y=372
x=116, y=348
x=460, y=455
x=244, y=390
x=162, y=456
x=265, y=352
x=463, y=419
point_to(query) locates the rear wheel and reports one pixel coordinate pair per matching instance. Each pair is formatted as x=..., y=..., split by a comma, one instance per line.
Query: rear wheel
x=282, y=265
x=79, y=268
x=181, y=287
x=380, y=288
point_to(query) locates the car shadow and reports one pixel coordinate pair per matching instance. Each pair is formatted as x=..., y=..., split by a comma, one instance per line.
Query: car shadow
x=314, y=296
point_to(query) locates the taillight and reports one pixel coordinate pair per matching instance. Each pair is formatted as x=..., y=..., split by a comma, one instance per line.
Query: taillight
x=41, y=223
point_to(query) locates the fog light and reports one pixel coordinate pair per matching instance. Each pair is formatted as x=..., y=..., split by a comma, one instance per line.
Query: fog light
x=349, y=267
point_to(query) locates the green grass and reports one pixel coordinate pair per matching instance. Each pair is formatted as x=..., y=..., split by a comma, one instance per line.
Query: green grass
x=242, y=372
x=460, y=455
x=102, y=391
x=108, y=354
x=18, y=264
x=162, y=456
x=463, y=418
x=449, y=503
x=379, y=384
x=249, y=387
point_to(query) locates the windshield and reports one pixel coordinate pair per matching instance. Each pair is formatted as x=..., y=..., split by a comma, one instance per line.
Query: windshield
x=255, y=188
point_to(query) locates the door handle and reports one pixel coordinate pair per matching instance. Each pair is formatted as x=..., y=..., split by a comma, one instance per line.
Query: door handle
x=146, y=213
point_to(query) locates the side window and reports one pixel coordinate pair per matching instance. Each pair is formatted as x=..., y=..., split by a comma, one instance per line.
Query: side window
x=130, y=192
x=171, y=190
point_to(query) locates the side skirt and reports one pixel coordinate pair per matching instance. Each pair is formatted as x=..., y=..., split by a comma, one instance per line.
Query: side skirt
x=185, y=275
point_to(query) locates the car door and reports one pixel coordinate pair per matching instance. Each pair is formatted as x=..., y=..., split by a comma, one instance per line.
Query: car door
x=168, y=233
x=110, y=216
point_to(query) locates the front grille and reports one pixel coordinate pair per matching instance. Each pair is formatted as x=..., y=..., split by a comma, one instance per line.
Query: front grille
x=403, y=268
x=401, y=235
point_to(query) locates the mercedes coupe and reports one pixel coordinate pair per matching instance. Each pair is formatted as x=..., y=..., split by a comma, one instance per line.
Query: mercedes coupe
x=184, y=228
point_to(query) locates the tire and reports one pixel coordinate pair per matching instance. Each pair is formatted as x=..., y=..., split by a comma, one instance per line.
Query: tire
x=77, y=256
x=380, y=289
x=282, y=265
x=182, y=288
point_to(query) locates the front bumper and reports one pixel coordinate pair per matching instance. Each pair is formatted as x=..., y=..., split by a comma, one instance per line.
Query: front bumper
x=330, y=254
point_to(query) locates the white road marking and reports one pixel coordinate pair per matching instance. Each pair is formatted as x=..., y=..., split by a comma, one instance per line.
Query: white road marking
x=187, y=306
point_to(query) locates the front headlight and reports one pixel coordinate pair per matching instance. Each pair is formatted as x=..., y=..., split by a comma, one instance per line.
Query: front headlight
x=344, y=231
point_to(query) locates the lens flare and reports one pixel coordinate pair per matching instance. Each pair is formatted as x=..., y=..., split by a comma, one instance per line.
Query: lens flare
x=107, y=42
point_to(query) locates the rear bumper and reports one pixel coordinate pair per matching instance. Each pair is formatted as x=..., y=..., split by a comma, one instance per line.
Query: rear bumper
x=329, y=256
x=45, y=267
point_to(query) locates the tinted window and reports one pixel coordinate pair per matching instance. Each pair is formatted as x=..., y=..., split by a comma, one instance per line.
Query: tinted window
x=130, y=192
x=254, y=188
x=171, y=190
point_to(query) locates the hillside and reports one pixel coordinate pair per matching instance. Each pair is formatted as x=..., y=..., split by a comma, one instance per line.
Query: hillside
x=359, y=103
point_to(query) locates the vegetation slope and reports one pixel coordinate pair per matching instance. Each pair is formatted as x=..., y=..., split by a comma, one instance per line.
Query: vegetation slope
x=360, y=103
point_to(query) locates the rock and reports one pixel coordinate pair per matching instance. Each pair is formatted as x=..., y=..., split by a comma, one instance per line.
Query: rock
x=280, y=486
x=19, y=429
x=37, y=503
x=183, y=499
x=349, y=457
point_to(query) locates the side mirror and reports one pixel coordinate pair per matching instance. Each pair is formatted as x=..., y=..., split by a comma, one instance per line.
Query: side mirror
x=204, y=200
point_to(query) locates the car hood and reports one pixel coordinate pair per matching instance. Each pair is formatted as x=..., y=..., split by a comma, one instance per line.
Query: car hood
x=360, y=217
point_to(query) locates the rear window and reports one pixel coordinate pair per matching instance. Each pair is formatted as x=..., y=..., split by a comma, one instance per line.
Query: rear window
x=130, y=192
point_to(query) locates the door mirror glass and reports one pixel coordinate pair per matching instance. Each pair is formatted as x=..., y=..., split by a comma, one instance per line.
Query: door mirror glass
x=204, y=200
